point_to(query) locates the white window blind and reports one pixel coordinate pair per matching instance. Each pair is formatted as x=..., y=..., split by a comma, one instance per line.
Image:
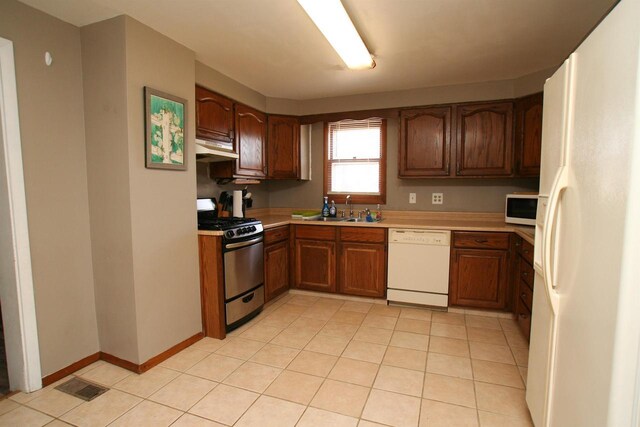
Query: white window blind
x=354, y=157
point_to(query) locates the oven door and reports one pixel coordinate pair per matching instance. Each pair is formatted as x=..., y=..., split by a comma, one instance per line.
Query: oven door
x=243, y=267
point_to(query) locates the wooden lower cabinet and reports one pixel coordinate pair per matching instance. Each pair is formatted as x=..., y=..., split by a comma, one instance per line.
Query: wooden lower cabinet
x=362, y=269
x=315, y=265
x=276, y=269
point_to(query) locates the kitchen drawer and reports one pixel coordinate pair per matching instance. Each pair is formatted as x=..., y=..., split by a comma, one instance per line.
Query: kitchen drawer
x=362, y=234
x=524, y=318
x=315, y=232
x=526, y=250
x=468, y=239
x=526, y=271
x=276, y=235
x=526, y=294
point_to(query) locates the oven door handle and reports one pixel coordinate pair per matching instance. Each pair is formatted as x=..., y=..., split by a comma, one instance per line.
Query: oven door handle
x=243, y=244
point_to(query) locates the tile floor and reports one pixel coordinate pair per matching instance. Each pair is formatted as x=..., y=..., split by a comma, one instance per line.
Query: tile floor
x=313, y=361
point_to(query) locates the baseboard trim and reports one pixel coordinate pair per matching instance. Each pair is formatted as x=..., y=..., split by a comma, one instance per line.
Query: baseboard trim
x=114, y=360
x=76, y=366
x=155, y=360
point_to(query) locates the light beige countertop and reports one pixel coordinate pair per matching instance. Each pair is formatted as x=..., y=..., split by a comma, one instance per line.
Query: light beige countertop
x=455, y=221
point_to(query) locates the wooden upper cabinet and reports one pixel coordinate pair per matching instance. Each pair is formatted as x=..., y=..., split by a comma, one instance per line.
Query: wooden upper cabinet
x=251, y=126
x=484, y=139
x=528, y=135
x=425, y=139
x=283, y=156
x=214, y=117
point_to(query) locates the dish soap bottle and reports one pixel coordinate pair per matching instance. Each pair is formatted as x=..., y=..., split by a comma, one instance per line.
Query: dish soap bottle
x=325, y=208
x=332, y=209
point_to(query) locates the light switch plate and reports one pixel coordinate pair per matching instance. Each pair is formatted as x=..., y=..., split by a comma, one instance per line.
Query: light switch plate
x=436, y=198
x=412, y=198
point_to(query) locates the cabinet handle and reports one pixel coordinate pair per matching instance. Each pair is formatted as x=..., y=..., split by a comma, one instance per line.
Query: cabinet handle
x=526, y=251
x=523, y=295
x=481, y=240
x=524, y=316
x=525, y=274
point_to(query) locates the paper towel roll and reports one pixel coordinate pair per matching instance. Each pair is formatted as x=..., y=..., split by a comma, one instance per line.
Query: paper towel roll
x=237, y=204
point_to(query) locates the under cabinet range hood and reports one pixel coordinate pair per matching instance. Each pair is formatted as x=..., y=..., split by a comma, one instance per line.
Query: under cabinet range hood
x=209, y=151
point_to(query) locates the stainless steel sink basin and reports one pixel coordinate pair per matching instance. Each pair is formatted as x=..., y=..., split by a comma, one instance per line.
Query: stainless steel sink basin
x=330, y=219
x=361, y=220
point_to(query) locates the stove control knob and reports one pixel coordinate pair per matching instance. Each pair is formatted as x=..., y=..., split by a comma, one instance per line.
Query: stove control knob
x=229, y=234
x=242, y=230
x=252, y=228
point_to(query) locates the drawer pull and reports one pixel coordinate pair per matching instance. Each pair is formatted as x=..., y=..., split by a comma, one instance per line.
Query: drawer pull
x=523, y=296
x=525, y=274
x=481, y=240
x=248, y=298
x=526, y=251
x=523, y=316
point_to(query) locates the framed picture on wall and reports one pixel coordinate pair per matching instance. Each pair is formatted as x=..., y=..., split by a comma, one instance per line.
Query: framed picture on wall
x=165, y=131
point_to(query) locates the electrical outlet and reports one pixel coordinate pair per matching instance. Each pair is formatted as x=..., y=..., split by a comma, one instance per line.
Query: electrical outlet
x=436, y=198
x=412, y=198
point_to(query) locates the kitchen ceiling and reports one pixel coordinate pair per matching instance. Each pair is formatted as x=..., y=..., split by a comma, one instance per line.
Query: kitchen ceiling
x=273, y=47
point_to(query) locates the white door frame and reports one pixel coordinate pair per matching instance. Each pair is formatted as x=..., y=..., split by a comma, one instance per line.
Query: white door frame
x=18, y=303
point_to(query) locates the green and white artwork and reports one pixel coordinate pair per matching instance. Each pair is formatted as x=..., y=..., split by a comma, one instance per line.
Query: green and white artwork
x=166, y=130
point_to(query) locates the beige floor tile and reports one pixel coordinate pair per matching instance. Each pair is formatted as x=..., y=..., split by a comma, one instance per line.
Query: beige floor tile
x=490, y=336
x=183, y=392
x=356, y=307
x=215, y=367
x=491, y=352
x=253, y=376
x=338, y=329
x=392, y=409
x=350, y=317
x=271, y=412
x=307, y=325
x=453, y=366
x=319, y=313
x=329, y=302
x=448, y=318
x=293, y=338
x=107, y=374
x=317, y=364
x=457, y=391
x=521, y=355
x=516, y=339
x=102, y=410
x=416, y=313
x=523, y=374
x=327, y=344
x=279, y=319
x=275, y=355
x=400, y=380
x=343, y=398
x=305, y=300
x=483, y=322
x=54, y=403
x=23, y=416
x=295, y=387
x=405, y=358
x=373, y=335
x=224, y=404
x=7, y=405
x=148, y=414
x=385, y=310
x=261, y=332
x=90, y=367
x=378, y=321
x=410, y=340
x=365, y=423
x=487, y=419
x=450, y=346
x=413, y=325
x=501, y=400
x=146, y=384
x=497, y=373
x=314, y=417
x=449, y=331
x=240, y=348
x=354, y=371
x=443, y=414
x=188, y=420
x=365, y=351
x=509, y=324
x=58, y=423
x=208, y=344
x=185, y=359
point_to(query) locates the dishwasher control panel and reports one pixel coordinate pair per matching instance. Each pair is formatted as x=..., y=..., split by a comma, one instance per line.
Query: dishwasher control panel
x=420, y=237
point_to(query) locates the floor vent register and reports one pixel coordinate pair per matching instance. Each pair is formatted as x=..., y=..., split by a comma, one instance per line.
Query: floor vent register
x=82, y=389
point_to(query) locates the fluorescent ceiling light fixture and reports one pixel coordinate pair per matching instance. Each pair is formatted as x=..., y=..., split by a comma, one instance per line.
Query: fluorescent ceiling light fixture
x=334, y=23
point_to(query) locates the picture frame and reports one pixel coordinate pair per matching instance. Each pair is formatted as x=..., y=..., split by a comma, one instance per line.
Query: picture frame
x=165, y=130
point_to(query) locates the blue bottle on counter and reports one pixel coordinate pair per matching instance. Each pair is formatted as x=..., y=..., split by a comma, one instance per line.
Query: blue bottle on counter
x=325, y=208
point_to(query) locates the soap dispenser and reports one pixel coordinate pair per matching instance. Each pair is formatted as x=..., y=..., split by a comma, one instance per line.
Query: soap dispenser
x=325, y=208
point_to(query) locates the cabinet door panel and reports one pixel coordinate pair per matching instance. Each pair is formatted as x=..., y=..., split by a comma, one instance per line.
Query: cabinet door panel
x=479, y=278
x=214, y=117
x=362, y=269
x=485, y=139
x=283, y=160
x=425, y=137
x=529, y=134
x=315, y=265
x=250, y=142
x=276, y=269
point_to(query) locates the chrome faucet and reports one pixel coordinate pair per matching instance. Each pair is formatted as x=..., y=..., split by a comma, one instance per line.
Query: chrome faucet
x=349, y=204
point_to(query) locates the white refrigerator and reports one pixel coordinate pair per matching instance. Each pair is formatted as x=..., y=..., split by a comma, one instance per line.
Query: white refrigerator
x=585, y=334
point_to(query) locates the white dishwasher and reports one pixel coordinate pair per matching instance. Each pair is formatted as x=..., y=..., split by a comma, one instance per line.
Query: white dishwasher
x=418, y=266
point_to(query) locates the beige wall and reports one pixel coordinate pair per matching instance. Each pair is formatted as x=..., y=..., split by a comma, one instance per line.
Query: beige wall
x=55, y=169
x=218, y=82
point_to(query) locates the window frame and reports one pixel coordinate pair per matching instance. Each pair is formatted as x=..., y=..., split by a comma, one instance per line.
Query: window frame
x=367, y=199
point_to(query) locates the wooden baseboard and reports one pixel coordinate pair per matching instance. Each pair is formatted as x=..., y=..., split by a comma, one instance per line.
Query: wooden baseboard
x=114, y=360
x=155, y=360
x=76, y=366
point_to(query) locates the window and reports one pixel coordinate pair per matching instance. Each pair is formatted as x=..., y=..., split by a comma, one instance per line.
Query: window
x=355, y=160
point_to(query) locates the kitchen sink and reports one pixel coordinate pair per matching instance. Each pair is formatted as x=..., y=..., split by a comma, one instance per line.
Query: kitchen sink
x=330, y=219
x=362, y=220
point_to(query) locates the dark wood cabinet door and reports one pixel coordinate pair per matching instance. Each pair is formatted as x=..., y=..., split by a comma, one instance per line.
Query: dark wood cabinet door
x=214, y=117
x=251, y=126
x=479, y=278
x=484, y=139
x=276, y=269
x=425, y=139
x=315, y=265
x=283, y=155
x=528, y=135
x=362, y=269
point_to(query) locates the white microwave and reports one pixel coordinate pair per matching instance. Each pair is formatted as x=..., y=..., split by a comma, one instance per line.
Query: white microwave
x=520, y=208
